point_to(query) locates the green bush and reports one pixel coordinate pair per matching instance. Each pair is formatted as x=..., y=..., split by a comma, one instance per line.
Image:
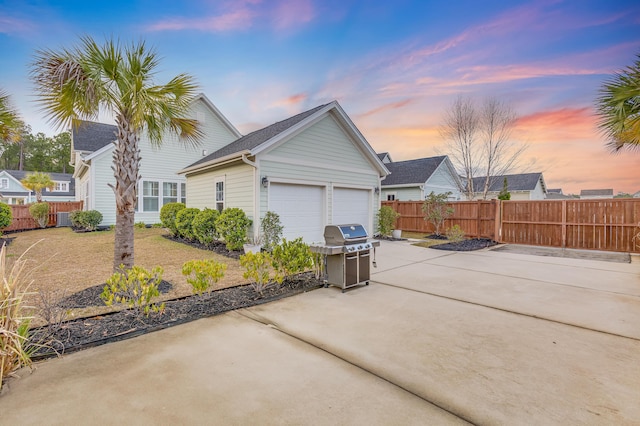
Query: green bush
x=232, y=225
x=291, y=257
x=140, y=225
x=85, y=219
x=455, y=234
x=134, y=287
x=258, y=269
x=168, y=214
x=184, y=222
x=386, y=220
x=40, y=213
x=205, y=274
x=204, y=226
x=6, y=215
x=271, y=231
x=435, y=209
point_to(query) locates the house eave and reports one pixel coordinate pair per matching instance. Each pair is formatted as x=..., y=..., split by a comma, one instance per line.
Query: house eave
x=215, y=162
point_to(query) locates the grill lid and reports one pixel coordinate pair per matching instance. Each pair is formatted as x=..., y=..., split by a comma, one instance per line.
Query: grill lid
x=344, y=234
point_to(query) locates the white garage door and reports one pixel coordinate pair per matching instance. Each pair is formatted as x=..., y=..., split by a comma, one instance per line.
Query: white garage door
x=351, y=206
x=301, y=210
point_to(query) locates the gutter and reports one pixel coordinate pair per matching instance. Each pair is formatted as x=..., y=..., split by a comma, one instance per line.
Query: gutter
x=217, y=162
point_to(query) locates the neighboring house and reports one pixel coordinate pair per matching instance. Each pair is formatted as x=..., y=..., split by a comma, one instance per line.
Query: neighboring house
x=589, y=194
x=524, y=186
x=312, y=169
x=557, y=194
x=636, y=195
x=385, y=157
x=13, y=192
x=413, y=180
x=92, y=146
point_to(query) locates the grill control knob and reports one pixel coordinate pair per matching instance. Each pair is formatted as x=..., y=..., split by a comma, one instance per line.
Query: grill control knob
x=359, y=247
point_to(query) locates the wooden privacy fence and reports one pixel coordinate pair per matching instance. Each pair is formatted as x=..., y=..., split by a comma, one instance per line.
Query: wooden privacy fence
x=609, y=225
x=22, y=219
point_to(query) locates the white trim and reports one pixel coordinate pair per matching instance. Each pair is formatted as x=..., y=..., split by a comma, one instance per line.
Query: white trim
x=236, y=156
x=94, y=154
x=220, y=179
x=281, y=160
x=13, y=178
x=402, y=185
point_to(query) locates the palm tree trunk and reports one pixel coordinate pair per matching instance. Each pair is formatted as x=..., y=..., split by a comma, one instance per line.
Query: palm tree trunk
x=126, y=166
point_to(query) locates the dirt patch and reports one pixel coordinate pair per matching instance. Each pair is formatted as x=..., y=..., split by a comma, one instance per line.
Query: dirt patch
x=97, y=330
x=466, y=245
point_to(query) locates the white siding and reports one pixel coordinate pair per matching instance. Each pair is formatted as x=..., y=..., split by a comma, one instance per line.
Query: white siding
x=442, y=181
x=412, y=193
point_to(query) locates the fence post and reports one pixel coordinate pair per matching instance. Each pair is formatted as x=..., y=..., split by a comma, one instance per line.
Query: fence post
x=564, y=223
x=497, y=218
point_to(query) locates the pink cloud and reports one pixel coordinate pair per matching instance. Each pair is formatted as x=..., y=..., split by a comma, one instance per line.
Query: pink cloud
x=291, y=13
x=385, y=108
x=11, y=25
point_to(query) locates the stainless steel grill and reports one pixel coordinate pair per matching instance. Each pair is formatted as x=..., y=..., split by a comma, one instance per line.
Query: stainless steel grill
x=347, y=254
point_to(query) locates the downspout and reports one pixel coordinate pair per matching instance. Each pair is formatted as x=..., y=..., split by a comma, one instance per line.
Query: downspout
x=256, y=214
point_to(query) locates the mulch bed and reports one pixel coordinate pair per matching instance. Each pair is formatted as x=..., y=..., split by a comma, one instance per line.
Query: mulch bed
x=466, y=245
x=436, y=237
x=91, y=296
x=82, y=333
x=216, y=246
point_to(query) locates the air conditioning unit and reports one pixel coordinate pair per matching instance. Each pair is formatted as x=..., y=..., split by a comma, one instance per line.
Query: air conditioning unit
x=63, y=219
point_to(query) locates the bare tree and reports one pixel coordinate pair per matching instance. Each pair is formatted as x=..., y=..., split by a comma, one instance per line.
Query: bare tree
x=479, y=142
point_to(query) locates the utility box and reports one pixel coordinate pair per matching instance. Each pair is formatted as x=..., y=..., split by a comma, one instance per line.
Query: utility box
x=63, y=219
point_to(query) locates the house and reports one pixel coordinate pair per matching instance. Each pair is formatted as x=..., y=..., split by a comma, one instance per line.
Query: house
x=385, y=157
x=312, y=169
x=92, y=146
x=523, y=186
x=13, y=192
x=636, y=195
x=590, y=194
x=413, y=180
x=557, y=194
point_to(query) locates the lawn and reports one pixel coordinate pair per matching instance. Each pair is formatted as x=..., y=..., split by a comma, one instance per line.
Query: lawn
x=63, y=262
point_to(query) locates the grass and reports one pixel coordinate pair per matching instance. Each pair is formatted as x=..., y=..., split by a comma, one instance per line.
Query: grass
x=65, y=262
x=424, y=242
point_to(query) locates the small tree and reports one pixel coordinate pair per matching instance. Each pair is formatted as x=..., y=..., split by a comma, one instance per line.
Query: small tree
x=504, y=193
x=435, y=209
x=40, y=213
x=36, y=182
x=271, y=230
x=386, y=220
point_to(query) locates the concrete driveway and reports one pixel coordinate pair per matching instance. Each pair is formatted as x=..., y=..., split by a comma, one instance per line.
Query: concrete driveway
x=437, y=338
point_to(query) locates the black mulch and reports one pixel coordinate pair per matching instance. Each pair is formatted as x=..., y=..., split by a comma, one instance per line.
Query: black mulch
x=83, y=333
x=466, y=245
x=6, y=241
x=216, y=246
x=91, y=296
x=436, y=237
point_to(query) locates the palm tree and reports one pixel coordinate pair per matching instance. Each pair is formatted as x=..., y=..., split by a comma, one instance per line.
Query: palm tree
x=10, y=124
x=619, y=108
x=78, y=83
x=36, y=182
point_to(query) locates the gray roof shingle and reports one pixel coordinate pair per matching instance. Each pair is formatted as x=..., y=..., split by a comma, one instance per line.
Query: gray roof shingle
x=416, y=171
x=596, y=193
x=519, y=182
x=62, y=177
x=258, y=137
x=91, y=136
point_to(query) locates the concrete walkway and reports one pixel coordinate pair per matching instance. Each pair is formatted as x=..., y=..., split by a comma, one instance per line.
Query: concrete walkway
x=437, y=338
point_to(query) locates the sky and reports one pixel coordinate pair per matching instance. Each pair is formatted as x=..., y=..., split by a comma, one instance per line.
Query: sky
x=395, y=67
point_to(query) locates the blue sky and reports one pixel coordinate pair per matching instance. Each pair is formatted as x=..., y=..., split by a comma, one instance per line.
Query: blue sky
x=394, y=66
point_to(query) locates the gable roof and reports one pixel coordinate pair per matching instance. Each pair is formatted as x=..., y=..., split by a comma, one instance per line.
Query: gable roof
x=516, y=182
x=257, y=138
x=596, y=193
x=90, y=136
x=416, y=171
x=262, y=139
x=56, y=177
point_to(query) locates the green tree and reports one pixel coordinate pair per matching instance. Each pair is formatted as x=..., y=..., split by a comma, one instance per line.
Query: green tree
x=504, y=193
x=435, y=209
x=36, y=182
x=9, y=121
x=78, y=83
x=618, y=108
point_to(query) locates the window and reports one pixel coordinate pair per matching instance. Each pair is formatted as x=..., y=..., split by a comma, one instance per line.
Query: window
x=183, y=193
x=150, y=196
x=61, y=187
x=169, y=193
x=220, y=195
x=391, y=197
x=4, y=183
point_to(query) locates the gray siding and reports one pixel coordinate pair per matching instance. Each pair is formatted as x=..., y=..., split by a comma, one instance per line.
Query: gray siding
x=442, y=181
x=413, y=193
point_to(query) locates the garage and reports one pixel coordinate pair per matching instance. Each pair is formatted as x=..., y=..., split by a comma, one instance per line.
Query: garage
x=352, y=206
x=301, y=209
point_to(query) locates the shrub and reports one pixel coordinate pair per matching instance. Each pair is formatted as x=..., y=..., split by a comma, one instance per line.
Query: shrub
x=134, y=287
x=271, y=231
x=258, y=269
x=6, y=216
x=204, y=226
x=435, y=209
x=291, y=257
x=205, y=274
x=139, y=225
x=14, y=322
x=232, y=225
x=455, y=234
x=504, y=194
x=168, y=214
x=85, y=219
x=386, y=220
x=184, y=222
x=40, y=213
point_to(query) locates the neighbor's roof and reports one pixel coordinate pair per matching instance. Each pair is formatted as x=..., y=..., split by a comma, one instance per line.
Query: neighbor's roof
x=91, y=136
x=59, y=177
x=257, y=138
x=519, y=182
x=596, y=192
x=412, y=171
x=554, y=191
